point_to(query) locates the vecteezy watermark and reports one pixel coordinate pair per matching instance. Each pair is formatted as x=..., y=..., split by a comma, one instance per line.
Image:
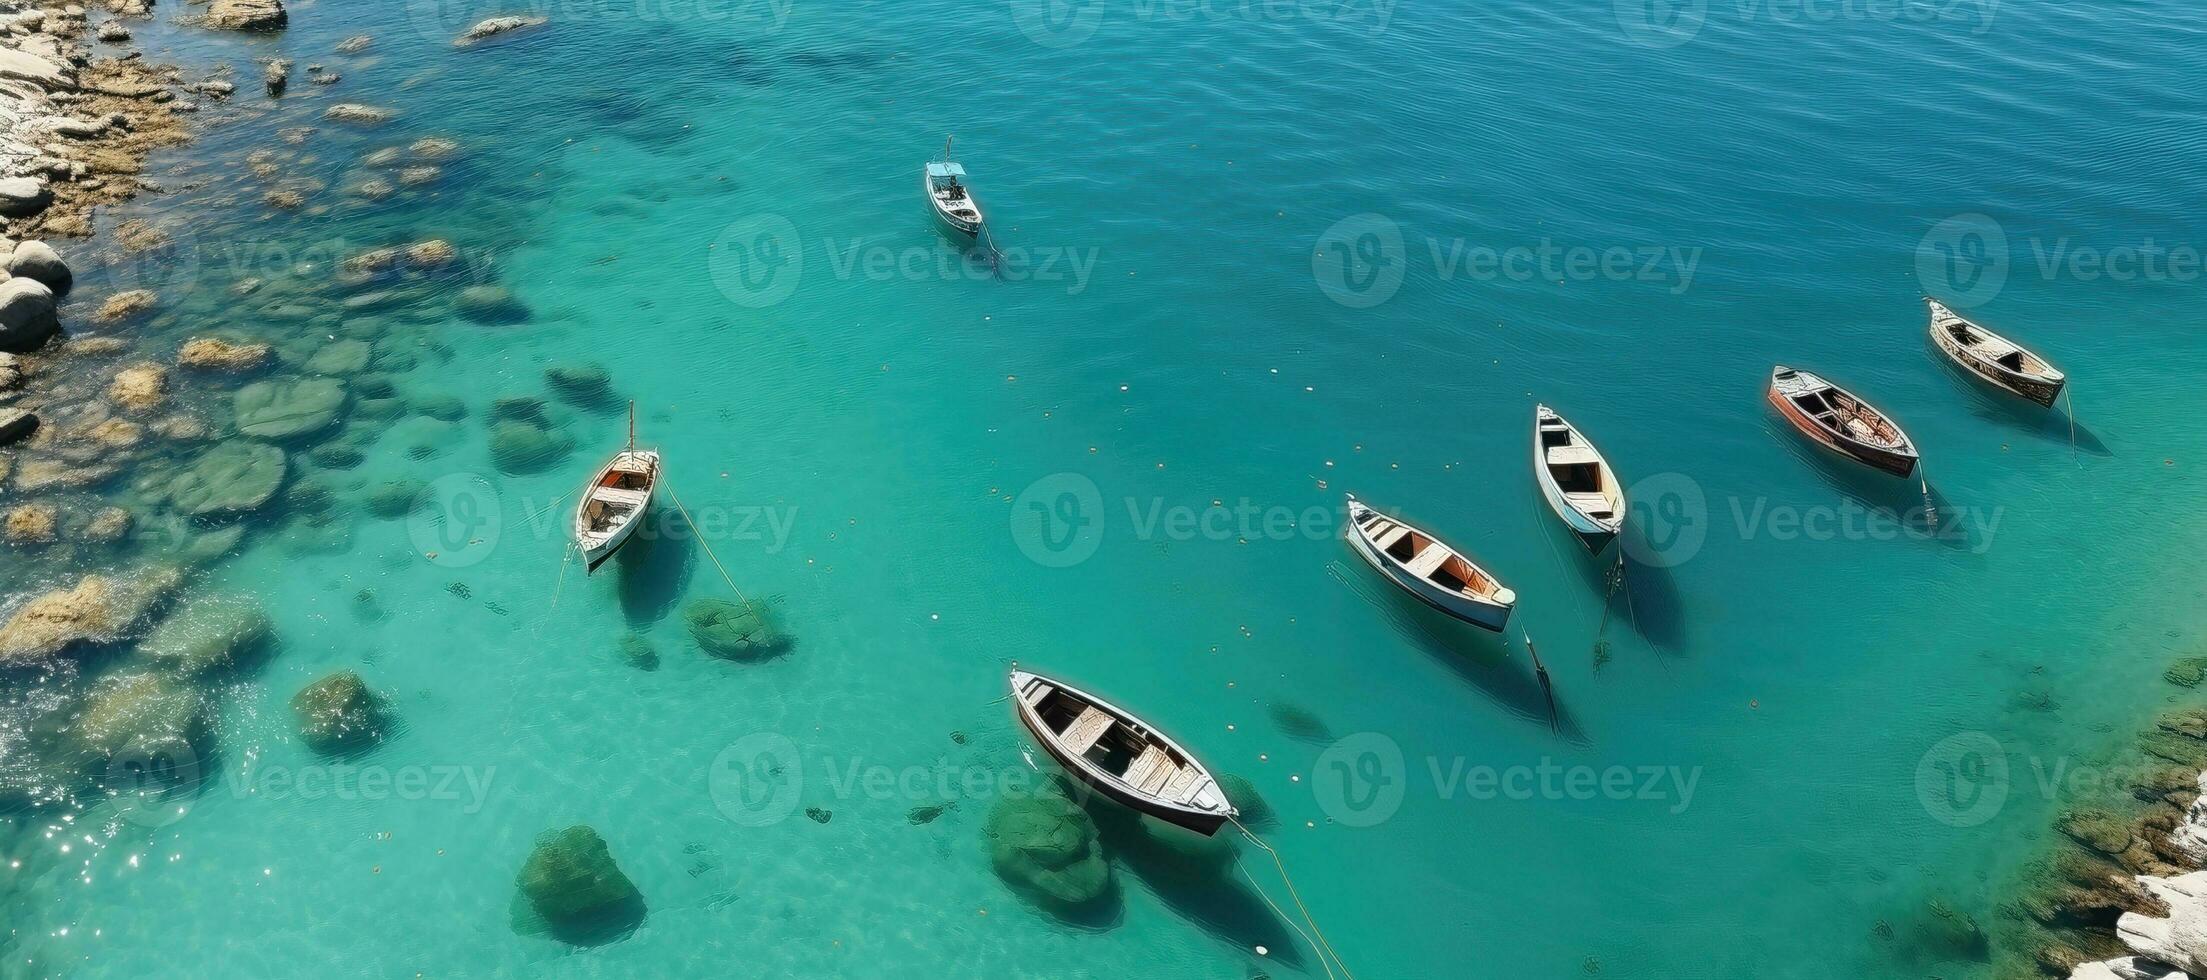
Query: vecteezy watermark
x=157, y=783
x=1967, y=259
x=1666, y=520
x=1060, y=520
x=1848, y=520
x=458, y=520
x=1361, y=261
x=759, y=261
x=1670, y=23
x=1066, y=23
x=1964, y=779
x=1363, y=779
x=442, y=21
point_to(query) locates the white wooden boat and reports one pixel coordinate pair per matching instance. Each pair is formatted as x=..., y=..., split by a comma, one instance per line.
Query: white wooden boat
x=954, y=205
x=1424, y=567
x=1994, y=358
x=1841, y=422
x=1577, y=481
x=614, y=503
x=1119, y=755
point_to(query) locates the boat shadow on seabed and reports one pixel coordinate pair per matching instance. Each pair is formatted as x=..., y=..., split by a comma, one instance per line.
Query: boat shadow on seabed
x=654, y=569
x=2056, y=425
x=1194, y=876
x=1914, y=504
x=1487, y=661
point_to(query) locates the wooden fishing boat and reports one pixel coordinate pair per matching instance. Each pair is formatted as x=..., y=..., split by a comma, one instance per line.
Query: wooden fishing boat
x=1577, y=481
x=1120, y=755
x=1424, y=567
x=614, y=503
x=946, y=192
x=1841, y=422
x=1994, y=358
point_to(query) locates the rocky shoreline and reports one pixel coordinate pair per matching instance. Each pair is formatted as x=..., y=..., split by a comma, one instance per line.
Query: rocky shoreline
x=2124, y=896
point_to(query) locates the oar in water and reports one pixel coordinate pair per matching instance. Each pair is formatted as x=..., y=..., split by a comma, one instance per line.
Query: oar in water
x=1547, y=688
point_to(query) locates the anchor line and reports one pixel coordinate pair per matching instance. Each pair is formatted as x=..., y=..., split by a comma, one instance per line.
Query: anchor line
x=1322, y=946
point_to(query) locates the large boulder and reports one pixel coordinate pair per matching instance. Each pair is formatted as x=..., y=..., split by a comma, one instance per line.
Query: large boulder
x=246, y=15
x=341, y=357
x=288, y=409
x=21, y=196
x=587, y=385
x=208, y=635
x=572, y=885
x=27, y=317
x=38, y=260
x=1046, y=847
x=232, y=478
x=733, y=631
x=98, y=609
x=2180, y=940
x=16, y=423
x=339, y=715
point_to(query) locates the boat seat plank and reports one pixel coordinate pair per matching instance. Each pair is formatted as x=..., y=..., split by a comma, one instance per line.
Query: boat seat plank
x=1592, y=504
x=1083, y=733
x=1572, y=454
x=616, y=495
x=1182, y=785
x=1387, y=538
x=1424, y=564
x=1150, y=770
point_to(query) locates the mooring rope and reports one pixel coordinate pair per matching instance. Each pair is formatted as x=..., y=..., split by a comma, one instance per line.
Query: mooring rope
x=1322, y=946
x=724, y=576
x=2071, y=400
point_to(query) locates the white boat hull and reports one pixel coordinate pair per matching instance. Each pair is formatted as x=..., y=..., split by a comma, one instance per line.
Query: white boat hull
x=1478, y=612
x=1593, y=532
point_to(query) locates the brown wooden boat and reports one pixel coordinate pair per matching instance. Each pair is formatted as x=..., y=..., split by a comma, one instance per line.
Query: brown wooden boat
x=1841, y=422
x=1119, y=755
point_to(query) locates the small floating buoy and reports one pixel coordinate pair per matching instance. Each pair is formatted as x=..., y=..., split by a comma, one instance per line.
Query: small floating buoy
x=1261, y=951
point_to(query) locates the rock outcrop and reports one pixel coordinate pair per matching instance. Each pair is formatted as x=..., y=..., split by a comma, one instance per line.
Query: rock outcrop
x=572, y=885
x=246, y=15
x=493, y=26
x=339, y=715
x=98, y=609
x=27, y=317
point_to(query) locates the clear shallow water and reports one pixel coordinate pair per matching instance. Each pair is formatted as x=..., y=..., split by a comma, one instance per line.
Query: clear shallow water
x=891, y=416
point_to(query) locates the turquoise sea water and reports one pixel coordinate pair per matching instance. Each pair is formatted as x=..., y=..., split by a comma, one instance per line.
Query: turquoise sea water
x=1254, y=258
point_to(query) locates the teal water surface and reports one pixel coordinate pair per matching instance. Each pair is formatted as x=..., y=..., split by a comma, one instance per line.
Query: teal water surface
x=1253, y=258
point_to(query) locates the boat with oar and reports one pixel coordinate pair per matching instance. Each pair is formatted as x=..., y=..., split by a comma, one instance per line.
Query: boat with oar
x=615, y=501
x=1841, y=422
x=1119, y=755
x=2003, y=363
x=1577, y=481
x=1435, y=573
x=954, y=205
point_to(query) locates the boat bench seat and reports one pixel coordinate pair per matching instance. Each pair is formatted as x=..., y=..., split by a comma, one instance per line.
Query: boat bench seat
x=1591, y=504
x=1387, y=538
x=1427, y=561
x=1152, y=770
x=1082, y=734
x=615, y=495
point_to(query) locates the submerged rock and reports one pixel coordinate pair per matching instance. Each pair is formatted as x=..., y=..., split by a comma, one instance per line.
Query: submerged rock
x=216, y=354
x=357, y=114
x=232, y=478
x=572, y=884
x=1046, y=847
x=32, y=524
x=733, y=631
x=127, y=713
x=443, y=408
x=519, y=448
x=2187, y=672
x=126, y=305
x=493, y=26
x=286, y=409
x=341, y=357
x=355, y=44
x=339, y=715
x=637, y=651
x=587, y=385
x=16, y=424
x=393, y=499
x=210, y=634
x=98, y=609
x=490, y=305
x=140, y=387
